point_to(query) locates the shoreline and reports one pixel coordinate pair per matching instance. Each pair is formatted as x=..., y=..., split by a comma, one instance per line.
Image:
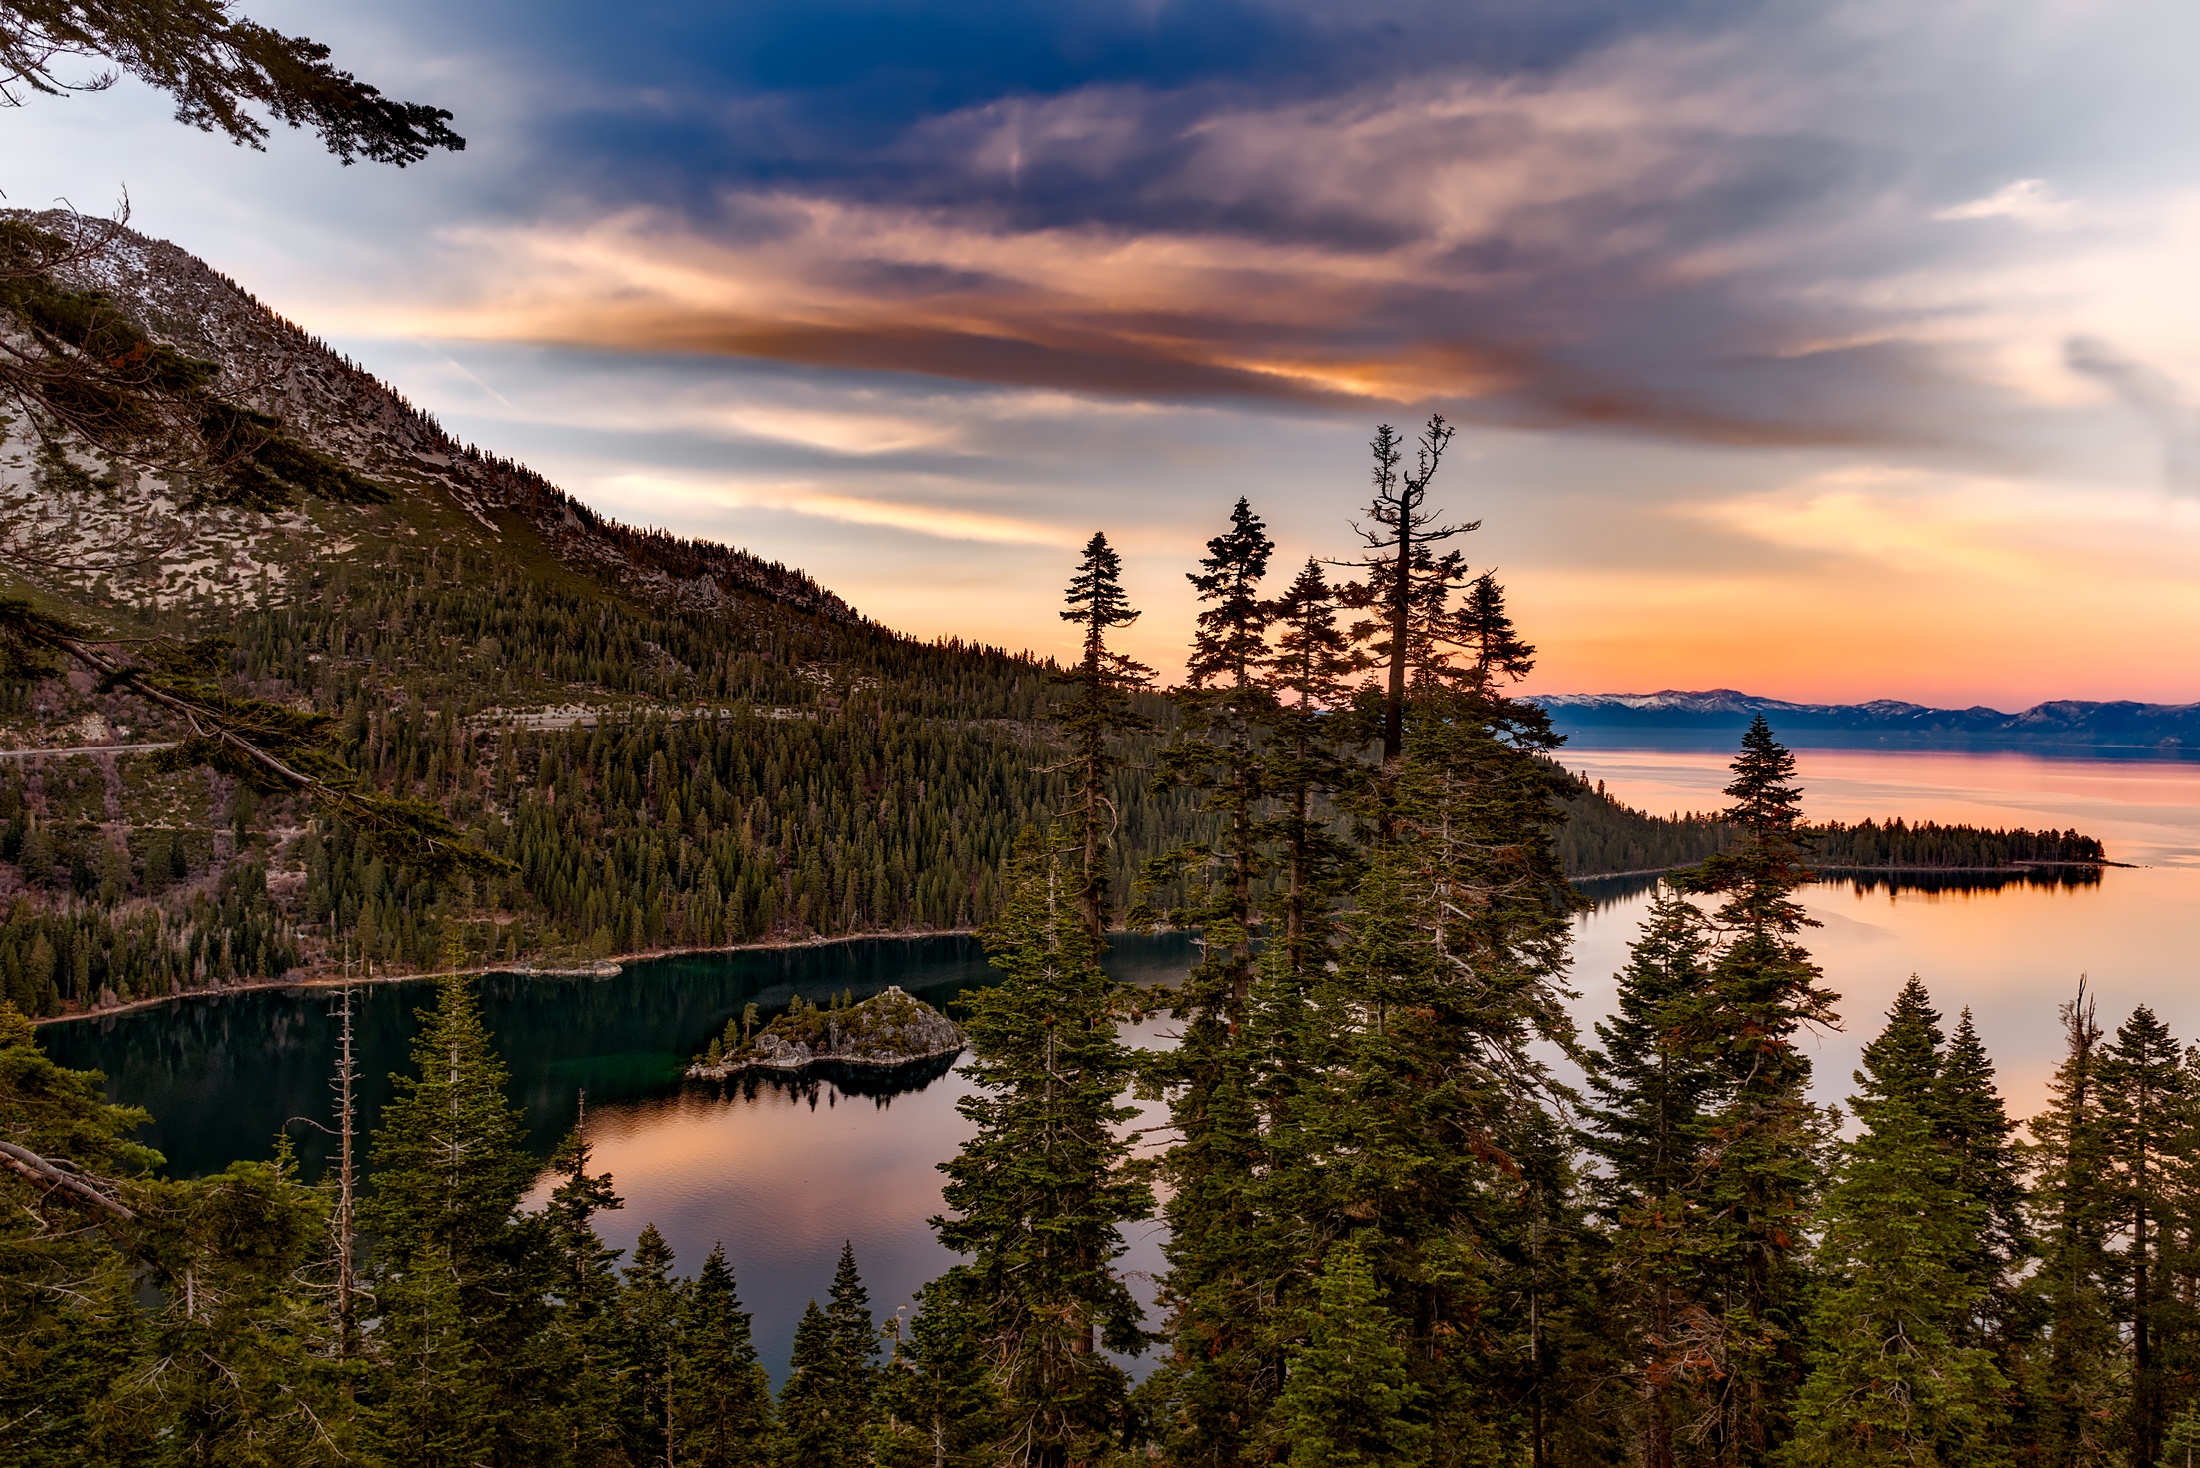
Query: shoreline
x=609, y=968
x=700, y=1072
x=2011, y=870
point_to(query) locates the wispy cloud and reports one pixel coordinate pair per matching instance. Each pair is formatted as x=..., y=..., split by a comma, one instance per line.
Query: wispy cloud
x=2028, y=201
x=941, y=522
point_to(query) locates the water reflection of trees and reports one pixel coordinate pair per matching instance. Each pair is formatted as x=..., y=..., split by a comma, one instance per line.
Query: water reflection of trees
x=1608, y=892
x=879, y=1084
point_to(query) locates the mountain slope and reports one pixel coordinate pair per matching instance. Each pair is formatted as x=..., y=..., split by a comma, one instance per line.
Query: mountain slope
x=672, y=742
x=270, y=364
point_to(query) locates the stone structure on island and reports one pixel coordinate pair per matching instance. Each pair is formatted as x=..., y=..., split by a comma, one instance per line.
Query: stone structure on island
x=888, y=1029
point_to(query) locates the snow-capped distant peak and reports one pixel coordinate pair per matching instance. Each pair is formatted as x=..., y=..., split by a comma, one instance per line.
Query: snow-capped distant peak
x=1706, y=701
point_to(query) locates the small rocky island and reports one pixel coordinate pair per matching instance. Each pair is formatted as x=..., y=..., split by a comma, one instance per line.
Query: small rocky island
x=888, y=1029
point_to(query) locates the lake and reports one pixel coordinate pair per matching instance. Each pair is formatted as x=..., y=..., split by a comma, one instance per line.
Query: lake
x=783, y=1172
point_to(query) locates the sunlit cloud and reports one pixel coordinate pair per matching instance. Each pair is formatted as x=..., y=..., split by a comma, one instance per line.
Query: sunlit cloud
x=2028, y=201
x=939, y=522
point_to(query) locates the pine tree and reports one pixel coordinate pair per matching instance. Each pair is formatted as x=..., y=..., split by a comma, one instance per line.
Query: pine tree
x=721, y=1404
x=1482, y=627
x=1098, y=711
x=855, y=1346
x=1891, y=1379
x=439, y=1397
x=1431, y=1125
x=1969, y=1119
x=1765, y=991
x=649, y=1307
x=1217, y=1384
x=245, y=1354
x=938, y=1406
x=1404, y=581
x=449, y=1161
x=1307, y=673
x=2075, y=1207
x=810, y=1431
x=1350, y=1399
x=590, y=1357
x=457, y=1276
x=1224, y=706
x=1657, y=1084
x=1426, y=1123
x=1038, y=1194
x=1904, y=1061
x=2146, y=1122
x=69, y=1328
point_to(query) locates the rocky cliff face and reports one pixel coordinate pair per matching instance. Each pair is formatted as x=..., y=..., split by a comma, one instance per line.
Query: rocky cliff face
x=268, y=363
x=888, y=1029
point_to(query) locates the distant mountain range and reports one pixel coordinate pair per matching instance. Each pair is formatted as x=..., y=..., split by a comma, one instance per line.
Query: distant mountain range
x=1718, y=715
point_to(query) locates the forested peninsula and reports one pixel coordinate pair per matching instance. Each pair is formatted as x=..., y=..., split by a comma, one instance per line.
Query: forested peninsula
x=1603, y=836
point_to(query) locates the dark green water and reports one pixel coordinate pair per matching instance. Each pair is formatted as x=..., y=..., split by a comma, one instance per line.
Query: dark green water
x=780, y=1171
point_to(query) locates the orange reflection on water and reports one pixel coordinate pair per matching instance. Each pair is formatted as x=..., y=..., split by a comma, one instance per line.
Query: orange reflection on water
x=2012, y=955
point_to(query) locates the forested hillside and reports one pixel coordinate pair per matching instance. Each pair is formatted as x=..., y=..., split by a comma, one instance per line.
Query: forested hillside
x=656, y=743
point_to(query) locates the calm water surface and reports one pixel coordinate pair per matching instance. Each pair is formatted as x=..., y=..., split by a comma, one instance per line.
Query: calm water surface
x=783, y=1173
x=2012, y=954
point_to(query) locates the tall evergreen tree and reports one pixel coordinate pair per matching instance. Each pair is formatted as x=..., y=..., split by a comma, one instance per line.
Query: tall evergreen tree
x=1037, y=1196
x=457, y=1276
x=1351, y=1399
x=1761, y=1188
x=1657, y=1083
x=1307, y=762
x=1404, y=581
x=2075, y=1208
x=2147, y=1126
x=1224, y=705
x=1904, y=1061
x=937, y=1404
x=590, y=1353
x=1098, y=711
x=1972, y=1125
x=855, y=1344
x=1484, y=630
x=1432, y=1125
x=69, y=1328
x=449, y=1160
x=720, y=1406
x=1892, y=1379
x=1213, y=1380
x=1977, y=1130
x=244, y=1369
x=810, y=1432
x=649, y=1306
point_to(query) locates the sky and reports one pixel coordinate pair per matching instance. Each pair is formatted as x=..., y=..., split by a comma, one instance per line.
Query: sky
x=1833, y=350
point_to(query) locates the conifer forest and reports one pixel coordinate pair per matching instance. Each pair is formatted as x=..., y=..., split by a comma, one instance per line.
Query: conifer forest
x=301, y=691
x=1395, y=1234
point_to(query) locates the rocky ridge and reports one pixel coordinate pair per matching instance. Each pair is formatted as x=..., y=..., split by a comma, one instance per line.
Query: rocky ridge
x=269, y=363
